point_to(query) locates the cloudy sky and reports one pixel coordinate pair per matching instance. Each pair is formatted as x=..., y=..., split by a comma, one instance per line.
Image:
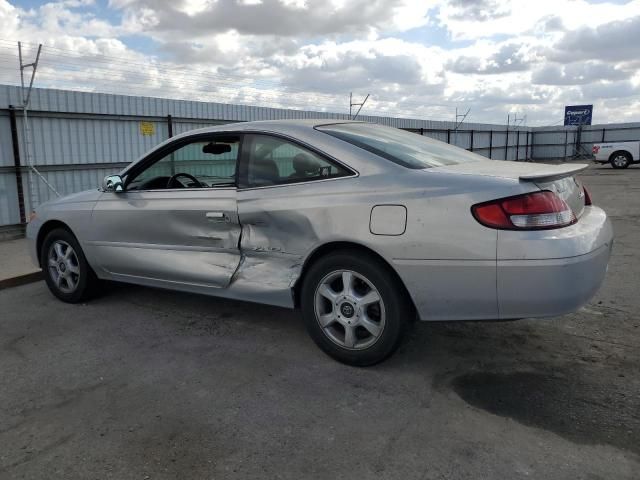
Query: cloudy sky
x=417, y=58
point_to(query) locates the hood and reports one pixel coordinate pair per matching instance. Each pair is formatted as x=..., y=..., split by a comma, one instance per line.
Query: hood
x=79, y=197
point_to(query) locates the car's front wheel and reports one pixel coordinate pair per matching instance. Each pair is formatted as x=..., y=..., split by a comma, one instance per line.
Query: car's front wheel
x=354, y=308
x=66, y=270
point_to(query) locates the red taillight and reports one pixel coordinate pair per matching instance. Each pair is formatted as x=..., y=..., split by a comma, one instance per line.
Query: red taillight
x=531, y=211
x=587, y=197
x=595, y=149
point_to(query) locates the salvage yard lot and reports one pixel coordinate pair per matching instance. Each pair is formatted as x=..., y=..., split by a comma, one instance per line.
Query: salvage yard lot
x=142, y=383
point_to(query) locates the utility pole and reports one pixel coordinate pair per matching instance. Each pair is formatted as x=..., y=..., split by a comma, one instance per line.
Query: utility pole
x=26, y=129
x=351, y=105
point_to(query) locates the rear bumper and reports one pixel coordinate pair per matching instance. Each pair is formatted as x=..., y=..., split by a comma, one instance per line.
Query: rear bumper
x=553, y=272
x=545, y=288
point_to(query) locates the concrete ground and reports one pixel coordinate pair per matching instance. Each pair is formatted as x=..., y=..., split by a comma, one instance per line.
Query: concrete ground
x=147, y=384
x=16, y=266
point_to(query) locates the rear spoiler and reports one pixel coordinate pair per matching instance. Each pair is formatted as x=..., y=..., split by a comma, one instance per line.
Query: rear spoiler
x=553, y=172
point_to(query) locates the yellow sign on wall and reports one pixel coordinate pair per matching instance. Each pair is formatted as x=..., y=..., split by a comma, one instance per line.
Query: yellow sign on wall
x=147, y=128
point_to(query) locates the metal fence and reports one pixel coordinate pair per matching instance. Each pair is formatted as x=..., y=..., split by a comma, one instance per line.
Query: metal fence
x=576, y=142
x=79, y=137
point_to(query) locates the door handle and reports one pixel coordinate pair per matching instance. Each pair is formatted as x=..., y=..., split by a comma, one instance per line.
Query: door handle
x=216, y=216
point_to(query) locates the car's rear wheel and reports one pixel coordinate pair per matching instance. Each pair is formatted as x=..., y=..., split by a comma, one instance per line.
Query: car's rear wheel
x=620, y=160
x=66, y=270
x=354, y=308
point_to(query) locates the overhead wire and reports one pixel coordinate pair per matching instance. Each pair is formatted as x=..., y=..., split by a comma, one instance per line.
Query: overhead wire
x=247, y=82
x=165, y=66
x=105, y=73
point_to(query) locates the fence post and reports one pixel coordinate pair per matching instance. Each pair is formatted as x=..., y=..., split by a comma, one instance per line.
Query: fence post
x=471, y=149
x=604, y=130
x=170, y=126
x=566, y=140
x=170, y=134
x=506, y=144
x=490, y=142
x=578, y=139
x=448, y=135
x=518, y=146
x=421, y=131
x=16, y=162
x=526, y=148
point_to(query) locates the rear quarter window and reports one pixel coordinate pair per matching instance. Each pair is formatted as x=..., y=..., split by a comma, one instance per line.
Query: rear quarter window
x=398, y=146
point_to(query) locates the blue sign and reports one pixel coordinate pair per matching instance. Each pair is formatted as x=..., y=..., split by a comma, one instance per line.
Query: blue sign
x=578, y=114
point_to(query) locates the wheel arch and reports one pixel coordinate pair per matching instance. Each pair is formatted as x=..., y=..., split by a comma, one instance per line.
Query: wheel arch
x=624, y=152
x=336, y=246
x=44, y=230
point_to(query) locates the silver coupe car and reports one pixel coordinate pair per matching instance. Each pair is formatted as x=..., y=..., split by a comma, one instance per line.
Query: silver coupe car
x=362, y=227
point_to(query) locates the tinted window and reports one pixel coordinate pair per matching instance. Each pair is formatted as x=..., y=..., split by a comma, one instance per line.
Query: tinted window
x=275, y=161
x=212, y=163
x=404, y=148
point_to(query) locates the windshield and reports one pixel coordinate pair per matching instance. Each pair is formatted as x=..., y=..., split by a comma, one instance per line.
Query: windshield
x=404, y=148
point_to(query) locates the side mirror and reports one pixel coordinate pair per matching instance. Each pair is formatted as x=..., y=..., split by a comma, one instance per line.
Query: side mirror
x=112, y=183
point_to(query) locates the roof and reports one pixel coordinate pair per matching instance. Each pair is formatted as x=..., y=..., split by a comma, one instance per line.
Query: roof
x=276, y=126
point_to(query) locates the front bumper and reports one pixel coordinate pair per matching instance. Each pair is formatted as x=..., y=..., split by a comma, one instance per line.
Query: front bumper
x=31, y=234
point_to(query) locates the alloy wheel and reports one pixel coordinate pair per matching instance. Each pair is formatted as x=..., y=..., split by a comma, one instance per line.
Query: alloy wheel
x=63, y=266
x=349, y=309
x=620, y=161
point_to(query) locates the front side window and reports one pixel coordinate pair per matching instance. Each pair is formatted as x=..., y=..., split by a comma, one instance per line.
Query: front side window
x=198, y=164
x=276, y=161
x=404, y=148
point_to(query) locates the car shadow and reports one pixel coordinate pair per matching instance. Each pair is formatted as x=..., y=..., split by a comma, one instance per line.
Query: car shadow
x=523, y=370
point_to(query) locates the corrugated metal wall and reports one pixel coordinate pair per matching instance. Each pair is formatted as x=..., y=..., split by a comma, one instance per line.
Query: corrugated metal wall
x=550, y=142
x=91, y=104
x=80, y=137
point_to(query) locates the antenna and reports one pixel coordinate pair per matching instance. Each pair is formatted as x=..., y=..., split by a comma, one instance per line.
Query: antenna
x=351, y=105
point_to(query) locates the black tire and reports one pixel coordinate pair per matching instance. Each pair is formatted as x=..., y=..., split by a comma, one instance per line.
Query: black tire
x=395, y=304
x=620, y=160
x=85, y=281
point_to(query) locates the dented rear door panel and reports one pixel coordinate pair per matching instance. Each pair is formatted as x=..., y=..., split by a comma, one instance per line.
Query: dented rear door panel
x=282, y=224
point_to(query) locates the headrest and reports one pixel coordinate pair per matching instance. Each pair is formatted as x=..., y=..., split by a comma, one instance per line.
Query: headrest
x=303, y=164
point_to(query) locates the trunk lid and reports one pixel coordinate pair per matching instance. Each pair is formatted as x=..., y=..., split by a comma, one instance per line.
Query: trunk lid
x=569, y=189
x=556, y=178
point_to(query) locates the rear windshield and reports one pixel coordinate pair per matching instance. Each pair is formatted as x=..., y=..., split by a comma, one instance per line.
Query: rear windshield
x=404, y=148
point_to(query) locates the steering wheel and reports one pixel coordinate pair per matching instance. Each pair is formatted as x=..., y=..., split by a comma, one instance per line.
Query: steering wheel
x=172, y=180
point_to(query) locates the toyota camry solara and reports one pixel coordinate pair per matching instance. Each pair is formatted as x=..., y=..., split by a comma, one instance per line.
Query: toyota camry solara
x=362, y=227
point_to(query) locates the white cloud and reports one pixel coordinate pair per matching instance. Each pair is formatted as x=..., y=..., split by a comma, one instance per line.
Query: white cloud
x=521, y=55
x=486, y=18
